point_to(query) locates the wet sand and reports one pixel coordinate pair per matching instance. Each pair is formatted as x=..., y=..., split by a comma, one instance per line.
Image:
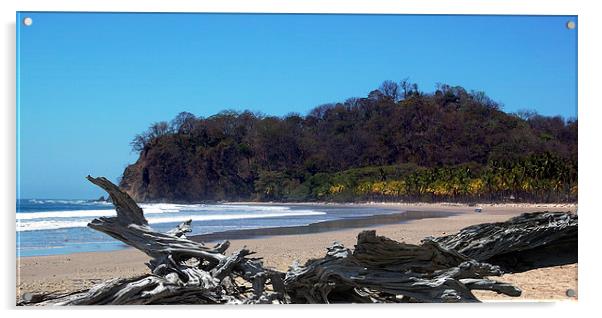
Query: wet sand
x=65, y=273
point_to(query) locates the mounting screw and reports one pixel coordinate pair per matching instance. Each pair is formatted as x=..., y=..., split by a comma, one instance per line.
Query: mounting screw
x=570, y=292
x=27, y=296
x=570, y=25
x=27, y=21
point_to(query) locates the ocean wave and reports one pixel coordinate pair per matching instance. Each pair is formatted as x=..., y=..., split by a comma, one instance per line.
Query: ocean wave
x=74, y=202
x=82, y=214
x=149, y=208
x=46, y=224
x=219, y=217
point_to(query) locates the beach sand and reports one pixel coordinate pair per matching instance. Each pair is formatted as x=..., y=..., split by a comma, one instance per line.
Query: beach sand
x=67, y=273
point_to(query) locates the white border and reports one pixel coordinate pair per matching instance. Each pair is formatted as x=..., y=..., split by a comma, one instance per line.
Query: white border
x=589, y=27
x=313, y=6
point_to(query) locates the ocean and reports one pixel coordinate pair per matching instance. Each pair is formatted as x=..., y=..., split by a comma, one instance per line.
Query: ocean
x=50, y=227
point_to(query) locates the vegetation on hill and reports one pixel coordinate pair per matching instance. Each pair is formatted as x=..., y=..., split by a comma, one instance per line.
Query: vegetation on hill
x=398, y=143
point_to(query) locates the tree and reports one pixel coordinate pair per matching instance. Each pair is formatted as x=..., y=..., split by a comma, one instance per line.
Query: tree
x=156, y=130
x=390, y=89
x=526, y=114
x=183, y=123
x=408, y=89
x=412, y=149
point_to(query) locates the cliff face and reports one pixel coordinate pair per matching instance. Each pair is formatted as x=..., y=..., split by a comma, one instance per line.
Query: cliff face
x=449, y=145
x=147, y=181
x=170, y=171
x=133, y=183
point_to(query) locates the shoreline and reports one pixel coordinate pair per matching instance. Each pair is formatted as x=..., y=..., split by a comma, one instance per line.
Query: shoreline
x=430, y=206
x=424, y=209
x=322, y=226
x=71, y=272
x=388, y=203
x=405, y=212
x=373, y=203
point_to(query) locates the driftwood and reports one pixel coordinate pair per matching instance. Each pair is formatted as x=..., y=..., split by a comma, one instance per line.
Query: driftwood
x=378, y=269
x=183, y=271
x=531, y=240
x=383, y=270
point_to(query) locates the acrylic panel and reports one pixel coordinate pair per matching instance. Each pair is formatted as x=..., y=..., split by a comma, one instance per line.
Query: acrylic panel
x=204, y=158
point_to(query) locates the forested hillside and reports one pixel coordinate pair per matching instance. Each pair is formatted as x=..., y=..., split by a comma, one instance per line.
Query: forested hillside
x=398, y=143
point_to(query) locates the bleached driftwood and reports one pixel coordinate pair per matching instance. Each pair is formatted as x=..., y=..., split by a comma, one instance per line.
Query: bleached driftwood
x=183, y=271
x=378, y=269
x=530, y=240
x=383, y=270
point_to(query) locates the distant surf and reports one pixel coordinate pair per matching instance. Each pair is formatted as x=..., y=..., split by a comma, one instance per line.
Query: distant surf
x=46, y=227
x=155, y=214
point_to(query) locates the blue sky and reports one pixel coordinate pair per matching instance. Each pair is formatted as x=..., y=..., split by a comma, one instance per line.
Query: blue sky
x=88, y=82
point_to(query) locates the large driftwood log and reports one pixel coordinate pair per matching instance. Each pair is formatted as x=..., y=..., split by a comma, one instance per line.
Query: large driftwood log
x=183, y=271
x=531, y=240
x=378, y=270
x=383, y=270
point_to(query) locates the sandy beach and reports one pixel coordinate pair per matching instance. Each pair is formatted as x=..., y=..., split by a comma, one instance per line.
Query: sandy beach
x=66, y=273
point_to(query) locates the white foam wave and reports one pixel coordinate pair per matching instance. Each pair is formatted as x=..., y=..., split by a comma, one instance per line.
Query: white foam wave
x=64, y=214
x=48, y=225
x=57, y=220
x=82, y=214
x=79, y=202
x=219, y=217
x=151, y=208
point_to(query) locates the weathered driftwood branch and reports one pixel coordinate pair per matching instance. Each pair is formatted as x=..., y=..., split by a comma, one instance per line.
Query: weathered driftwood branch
x=183, y=271
x=530, y=240
x=383, y=270
x=378, y=270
